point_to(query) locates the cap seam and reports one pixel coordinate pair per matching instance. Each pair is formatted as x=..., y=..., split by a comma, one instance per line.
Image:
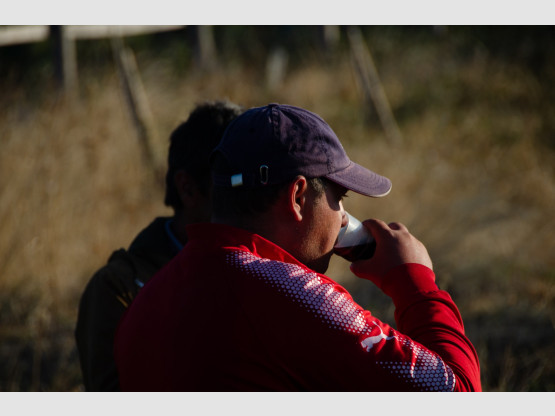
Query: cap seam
x=329, y=163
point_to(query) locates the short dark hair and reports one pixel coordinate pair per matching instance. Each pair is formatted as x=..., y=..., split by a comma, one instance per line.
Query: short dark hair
x=192, y=142
x=237, y=202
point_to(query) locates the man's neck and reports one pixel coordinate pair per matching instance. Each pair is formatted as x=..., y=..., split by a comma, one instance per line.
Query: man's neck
x=266, y=225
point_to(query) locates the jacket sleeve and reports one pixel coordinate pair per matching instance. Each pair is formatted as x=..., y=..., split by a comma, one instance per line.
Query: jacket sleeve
x=429, y=316
x=102, y=304
x=323, y=340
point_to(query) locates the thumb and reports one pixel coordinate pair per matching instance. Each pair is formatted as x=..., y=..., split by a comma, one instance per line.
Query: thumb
x=364, y=269
x=393, y=242
x=371, y=269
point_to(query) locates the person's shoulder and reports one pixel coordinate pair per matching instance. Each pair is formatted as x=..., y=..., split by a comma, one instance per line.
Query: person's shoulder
x=152, y=238
x=120, y=264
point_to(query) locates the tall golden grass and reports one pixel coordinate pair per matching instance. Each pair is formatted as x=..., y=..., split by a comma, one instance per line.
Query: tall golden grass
x=471, y=180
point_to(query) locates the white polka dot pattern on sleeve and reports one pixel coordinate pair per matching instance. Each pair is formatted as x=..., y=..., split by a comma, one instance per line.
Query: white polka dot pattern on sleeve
x=307, y=289
x=426, y=370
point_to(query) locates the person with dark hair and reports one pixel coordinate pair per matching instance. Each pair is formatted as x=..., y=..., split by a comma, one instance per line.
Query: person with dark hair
x=246, y=305
x=112, y=288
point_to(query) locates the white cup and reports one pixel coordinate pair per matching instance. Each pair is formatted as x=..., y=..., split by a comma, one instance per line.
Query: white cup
x=354, y=241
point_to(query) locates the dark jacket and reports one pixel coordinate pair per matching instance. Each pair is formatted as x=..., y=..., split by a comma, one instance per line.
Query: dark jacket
x=108, y=294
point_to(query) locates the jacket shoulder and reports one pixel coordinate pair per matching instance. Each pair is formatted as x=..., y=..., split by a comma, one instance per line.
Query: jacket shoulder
x=122, y=276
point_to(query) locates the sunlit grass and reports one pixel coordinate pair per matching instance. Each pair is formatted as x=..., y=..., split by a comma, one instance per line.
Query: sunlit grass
x=473, y=180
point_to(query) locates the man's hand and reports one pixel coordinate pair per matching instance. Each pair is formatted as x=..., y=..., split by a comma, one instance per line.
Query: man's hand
x=395, y=245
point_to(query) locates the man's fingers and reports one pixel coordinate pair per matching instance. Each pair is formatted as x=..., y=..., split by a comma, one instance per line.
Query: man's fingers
x=379, y=227
x=397, y=226
x=376, y=227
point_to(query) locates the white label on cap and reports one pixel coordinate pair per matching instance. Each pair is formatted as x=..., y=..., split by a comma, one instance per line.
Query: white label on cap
x=237, y=180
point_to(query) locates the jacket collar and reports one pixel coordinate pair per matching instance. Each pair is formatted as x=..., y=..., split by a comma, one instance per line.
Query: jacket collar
x=226, y=236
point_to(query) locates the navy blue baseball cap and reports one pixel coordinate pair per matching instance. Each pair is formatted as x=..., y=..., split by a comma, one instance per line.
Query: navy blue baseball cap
x=274, y=144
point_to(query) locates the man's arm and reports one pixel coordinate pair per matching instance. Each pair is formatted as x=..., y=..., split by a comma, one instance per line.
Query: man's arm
x=402, y=269
x=104, y=301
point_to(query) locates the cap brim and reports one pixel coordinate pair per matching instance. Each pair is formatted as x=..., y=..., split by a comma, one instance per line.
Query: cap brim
x=361, y=180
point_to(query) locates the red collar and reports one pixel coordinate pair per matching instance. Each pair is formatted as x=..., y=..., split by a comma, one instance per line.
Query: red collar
x=214, y=236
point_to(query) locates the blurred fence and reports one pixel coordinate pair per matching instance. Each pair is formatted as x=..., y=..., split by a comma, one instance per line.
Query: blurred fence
x=65, y=63
x=64, y=38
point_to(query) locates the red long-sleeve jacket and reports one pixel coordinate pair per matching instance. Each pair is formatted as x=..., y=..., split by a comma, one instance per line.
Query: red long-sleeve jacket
x=233, y=311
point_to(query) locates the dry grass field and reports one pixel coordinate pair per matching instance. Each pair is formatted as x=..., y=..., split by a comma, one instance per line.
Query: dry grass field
x=474, y=179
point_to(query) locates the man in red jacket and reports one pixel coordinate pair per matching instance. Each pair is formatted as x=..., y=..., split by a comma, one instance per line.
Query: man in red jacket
x=245, y=306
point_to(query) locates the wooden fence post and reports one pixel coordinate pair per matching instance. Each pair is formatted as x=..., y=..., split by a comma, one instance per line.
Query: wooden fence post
x=137, y=101
x=276, y=68
x=366, y=70
x=204, y=47
x=65, y=60
x=329, y=37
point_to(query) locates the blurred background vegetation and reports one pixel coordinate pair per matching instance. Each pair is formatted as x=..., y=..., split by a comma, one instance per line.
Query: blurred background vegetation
x=473, y=176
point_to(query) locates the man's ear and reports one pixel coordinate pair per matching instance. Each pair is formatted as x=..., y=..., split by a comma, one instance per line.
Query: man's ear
x=297, y=197
x=186, y=187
